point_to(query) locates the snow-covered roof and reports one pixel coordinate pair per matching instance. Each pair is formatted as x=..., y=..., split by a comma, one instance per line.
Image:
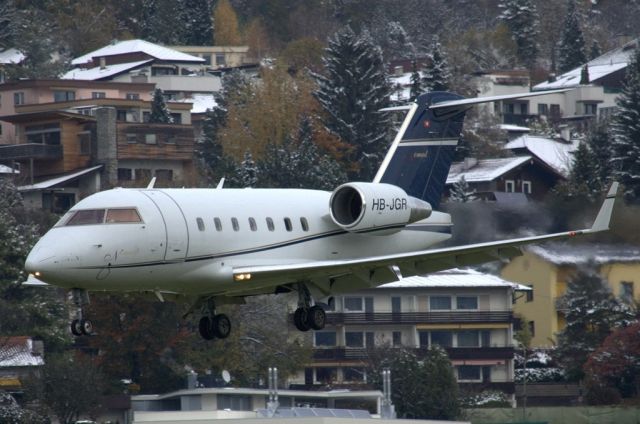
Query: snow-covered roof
x=4, y=169
x=98, y=73
x=556, y=154
x=201, y=102
x=11, y=57
x=455, y=278
x=566, y=254
x=484, y=169
x=599, y=67
x=135, y=46
x=18, y=352
x=58, y=180
x=515, y=128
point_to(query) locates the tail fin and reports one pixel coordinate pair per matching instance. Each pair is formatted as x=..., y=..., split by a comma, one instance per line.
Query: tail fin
x=422, y=152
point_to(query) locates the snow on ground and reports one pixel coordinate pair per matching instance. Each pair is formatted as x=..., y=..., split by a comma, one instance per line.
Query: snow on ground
x=201, y=102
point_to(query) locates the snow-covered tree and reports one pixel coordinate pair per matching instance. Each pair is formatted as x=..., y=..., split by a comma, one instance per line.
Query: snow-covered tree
x=616, y=363
x=591, y=313
x=595, y=50
x=599, y=140
x=571, y=49
x=437, y=75
x=162, y=21
x=351, y=93
x=12, y=413
x=583, y=181
x=208, y=148
x=461, y=192
x=9, y=23
x=626, y=132
x=159, y=112
x=416, y=81
x=248, y=171
x=521, y=17
x=197, y=22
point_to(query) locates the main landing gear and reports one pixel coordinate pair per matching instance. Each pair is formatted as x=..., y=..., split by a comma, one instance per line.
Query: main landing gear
x=308, y=317
x=214, y=325
x=80, y=326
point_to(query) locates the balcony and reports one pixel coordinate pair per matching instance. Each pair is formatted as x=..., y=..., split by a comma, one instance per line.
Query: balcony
x=30, y=151
x=517, y=119
x=419, y=317
x=455, y=353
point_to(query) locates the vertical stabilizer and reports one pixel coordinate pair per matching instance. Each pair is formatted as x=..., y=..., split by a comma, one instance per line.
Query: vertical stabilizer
x=420, y=156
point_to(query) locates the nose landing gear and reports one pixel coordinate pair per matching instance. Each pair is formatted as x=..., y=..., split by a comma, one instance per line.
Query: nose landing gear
x=79, y=325
x=308, y=317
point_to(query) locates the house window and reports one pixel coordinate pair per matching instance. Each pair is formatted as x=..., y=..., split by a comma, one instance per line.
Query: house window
x=468, y=338
x=356, y=375
x=64, y=96
x=526, y=187
x=466, y=302
x=396, y=304
x=218, y=223
x=164, y=174
x=529, y=293
x=150, y=139
x=43, y=134
x=369, y=339
x=125, y=174
x=554, y=111
x=84, y=140
x=397, y=338
x=325, y=338
x=18, y=98
x=234, y=402
x=207, y=58
x=469, y=373
x=143, y=174
x=439, y=303
x=132, y=96
x=626, y=291
x=98, y=95
x=131, y=138
x=200, y=223
x=423, y=338
x=176, y=118
x=354, y=339
x=121, y=115
x=220, y=59
x=156, y=71
x=353, y=304
x=509, y=186
x=532, y=328
x=543, y=109
x=442, y=338
x=590, y=109
x=326, y=375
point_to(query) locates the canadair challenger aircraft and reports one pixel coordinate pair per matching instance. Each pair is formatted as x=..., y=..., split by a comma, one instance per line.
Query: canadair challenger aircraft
x=216, y=246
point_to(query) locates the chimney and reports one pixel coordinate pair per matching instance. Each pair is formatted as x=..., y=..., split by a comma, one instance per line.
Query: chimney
x=106, y=150
x=398, y=70
x=565, y=133
x=469, y=163
x=192, y=380
x=103, y=62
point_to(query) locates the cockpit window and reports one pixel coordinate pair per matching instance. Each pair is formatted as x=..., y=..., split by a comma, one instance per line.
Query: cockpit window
x=123, y=215
x=86, y=217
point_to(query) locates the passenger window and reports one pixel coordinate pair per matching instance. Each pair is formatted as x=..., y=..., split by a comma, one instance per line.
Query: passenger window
x=270, y=225
x=122, y=215
x=87, y=217
x=304, y=223
x=218, y=224
x=235, y=225
x=252, y=224
x=200, y=223
x=287, y=224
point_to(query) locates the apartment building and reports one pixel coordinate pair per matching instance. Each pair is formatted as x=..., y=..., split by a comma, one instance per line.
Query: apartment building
x=465, y=311
x=547, y=269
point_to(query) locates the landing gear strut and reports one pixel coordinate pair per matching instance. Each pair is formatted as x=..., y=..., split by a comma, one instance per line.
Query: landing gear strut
x=214, y=325
x=308, y=317
x=80, y=326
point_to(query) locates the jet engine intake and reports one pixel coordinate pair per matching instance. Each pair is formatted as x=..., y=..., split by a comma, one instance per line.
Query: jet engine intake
x=364, y=207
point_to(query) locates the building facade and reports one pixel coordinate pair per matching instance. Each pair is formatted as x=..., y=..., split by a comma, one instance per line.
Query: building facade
x=547, y=269
x=466, y=312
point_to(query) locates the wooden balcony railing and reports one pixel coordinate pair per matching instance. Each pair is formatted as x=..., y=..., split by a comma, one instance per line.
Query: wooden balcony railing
x=418, y=317
x=30, y=151
x=455, y=353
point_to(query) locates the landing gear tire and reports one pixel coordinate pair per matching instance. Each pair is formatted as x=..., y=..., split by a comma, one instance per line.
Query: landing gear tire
x=81, y=327
x=300, y=319
x=206, y=328
x=221, y=326
x=316, y=317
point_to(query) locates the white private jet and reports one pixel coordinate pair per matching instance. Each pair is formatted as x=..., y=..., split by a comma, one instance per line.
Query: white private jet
x=217, y=246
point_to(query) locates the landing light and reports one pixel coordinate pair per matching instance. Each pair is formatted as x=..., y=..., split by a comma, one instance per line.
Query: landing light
x=37, y=274
x=242, y=277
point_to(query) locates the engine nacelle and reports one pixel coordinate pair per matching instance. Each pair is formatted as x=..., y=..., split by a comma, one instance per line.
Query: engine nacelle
x=362, y=207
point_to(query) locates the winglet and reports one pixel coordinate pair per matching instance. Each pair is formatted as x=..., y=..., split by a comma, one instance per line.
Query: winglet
x=603, y=219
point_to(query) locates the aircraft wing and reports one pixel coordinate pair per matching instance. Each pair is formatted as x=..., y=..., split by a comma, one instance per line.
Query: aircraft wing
x=378, y=270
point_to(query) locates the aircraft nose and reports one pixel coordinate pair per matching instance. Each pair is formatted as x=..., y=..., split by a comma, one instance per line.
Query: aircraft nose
x=39, y=260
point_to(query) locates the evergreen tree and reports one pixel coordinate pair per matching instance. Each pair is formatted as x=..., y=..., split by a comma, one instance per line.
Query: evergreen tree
x=162, y=21
x=423, y=387
x=159, y=112
x=198, y=23
x=208, y=149
x=583, y=181
x=584, y=75
x=571, y=50
x=599, y=141
x=626, y=132
x=595, y=50
x=416, y=81
x=591, y=313
x=351, y=94
x=521, y=17
x=461, y=192
x=9, y=23
x=437, y=75
x=248, y=171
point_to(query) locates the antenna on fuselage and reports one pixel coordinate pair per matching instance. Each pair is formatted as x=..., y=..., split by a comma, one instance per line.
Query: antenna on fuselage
x=220, y=184
x=152, y=183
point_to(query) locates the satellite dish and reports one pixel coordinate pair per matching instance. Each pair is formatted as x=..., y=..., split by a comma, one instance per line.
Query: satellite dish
x=226, y=376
